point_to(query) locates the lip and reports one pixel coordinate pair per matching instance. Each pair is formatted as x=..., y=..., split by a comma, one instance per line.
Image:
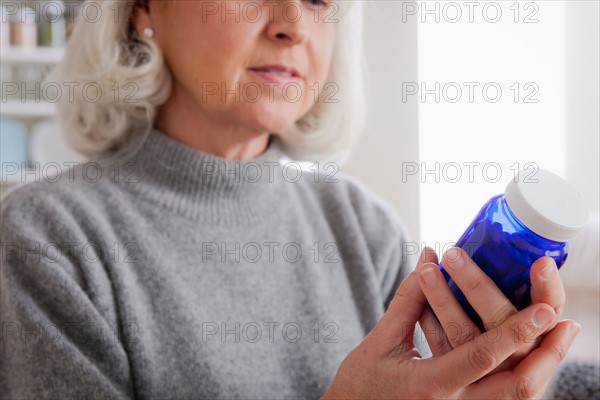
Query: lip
x=275, y=73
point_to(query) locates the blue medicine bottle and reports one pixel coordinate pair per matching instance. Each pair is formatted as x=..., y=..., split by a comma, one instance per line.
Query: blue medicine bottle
x=538, y=214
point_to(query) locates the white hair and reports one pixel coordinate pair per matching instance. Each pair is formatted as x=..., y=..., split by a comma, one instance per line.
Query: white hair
x=108, y=59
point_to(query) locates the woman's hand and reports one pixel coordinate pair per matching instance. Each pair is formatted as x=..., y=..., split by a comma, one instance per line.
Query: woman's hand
x=387, y=365
x=486, y=298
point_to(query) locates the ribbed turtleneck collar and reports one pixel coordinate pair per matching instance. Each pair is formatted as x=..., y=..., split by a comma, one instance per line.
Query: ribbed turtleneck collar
x=203, y=186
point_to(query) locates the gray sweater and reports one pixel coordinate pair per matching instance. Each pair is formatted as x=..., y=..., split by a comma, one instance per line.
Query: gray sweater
x=169, y=273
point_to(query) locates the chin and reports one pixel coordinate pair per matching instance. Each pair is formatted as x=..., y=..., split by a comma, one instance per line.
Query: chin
x=277, y=121
x=274, y=128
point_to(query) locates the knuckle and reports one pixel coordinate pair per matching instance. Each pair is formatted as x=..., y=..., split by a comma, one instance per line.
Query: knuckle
x=466, y=335
x=525, y=332
x=459, y=335
x=559, y=353
x=557, y=295
x=482, y=358
x=443, y=305
x=526, y=388
x=476, y=284
x=501, y=314
x=404, y=287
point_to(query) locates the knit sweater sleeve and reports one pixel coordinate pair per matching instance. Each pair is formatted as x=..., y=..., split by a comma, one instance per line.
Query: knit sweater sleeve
x=395, y=255
x=401, y=257
x=57, y=342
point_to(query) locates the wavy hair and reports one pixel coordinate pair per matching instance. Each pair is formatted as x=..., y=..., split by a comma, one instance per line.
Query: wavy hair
x=108, y=50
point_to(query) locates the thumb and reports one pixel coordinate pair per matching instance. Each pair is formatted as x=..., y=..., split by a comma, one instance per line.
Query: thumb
x=397, y=326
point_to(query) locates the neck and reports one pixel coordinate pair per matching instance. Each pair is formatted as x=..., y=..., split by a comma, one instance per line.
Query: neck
x=183, y=121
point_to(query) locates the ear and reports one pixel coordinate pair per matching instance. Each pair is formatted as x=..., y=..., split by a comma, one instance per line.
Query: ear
x=140, y=16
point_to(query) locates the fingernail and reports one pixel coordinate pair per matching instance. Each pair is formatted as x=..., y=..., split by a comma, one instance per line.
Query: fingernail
x=574, y=330
x=548, y=270
x=428, y=275
x=456, y=257
x=543, y=317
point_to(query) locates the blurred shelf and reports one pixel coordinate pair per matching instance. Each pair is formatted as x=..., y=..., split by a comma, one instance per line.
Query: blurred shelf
x=31, y=109
x=33, y=55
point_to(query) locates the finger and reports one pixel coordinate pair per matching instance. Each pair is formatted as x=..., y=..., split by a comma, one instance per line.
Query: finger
x=544, y=289
x=434, y=333
x=480, y=290
x=472, y=361
x=546, y=285
x=397, y=325
x=531, y=377
x=394, y=331
x=539, y=366
x=454, y=320
x=427, y=255
x=517, y=356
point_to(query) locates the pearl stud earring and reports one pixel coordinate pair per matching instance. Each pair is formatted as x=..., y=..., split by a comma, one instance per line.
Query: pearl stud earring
x=149, y=32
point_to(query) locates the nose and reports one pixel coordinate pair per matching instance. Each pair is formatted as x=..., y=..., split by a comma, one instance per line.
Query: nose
x=287, y=23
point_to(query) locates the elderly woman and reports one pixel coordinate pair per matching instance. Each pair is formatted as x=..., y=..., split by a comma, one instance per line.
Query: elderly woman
x=190, y=257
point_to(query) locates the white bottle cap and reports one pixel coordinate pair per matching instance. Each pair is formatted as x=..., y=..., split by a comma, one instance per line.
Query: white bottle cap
x=546, y=204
